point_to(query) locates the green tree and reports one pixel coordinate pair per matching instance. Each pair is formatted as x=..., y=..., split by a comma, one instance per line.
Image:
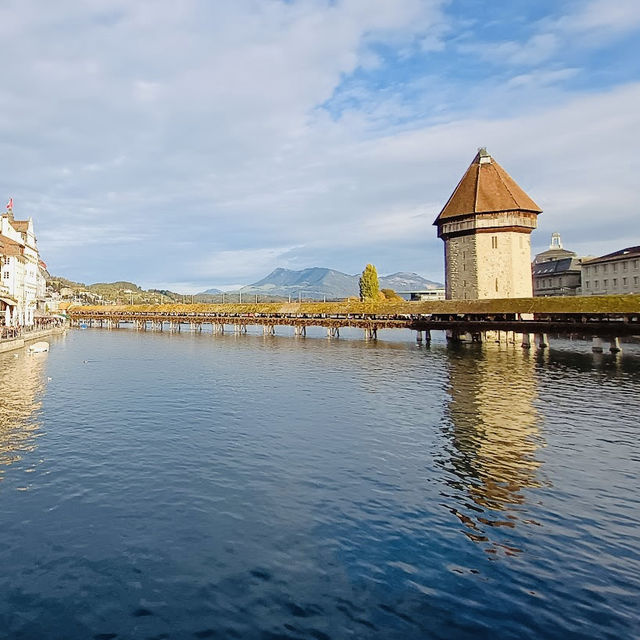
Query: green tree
x=369, y=286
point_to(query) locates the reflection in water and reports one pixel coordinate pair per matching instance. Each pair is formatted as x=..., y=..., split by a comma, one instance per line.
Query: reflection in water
x=21, y=384
x=494, y=434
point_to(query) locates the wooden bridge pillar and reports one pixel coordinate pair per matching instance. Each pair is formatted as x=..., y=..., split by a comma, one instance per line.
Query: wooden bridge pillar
x=333, y=332
x=268, y=330
x=419, y=337
x=543, y=340
x=615, y=345
x=371, y=333
x=526, y=341
x=596, y=344
x=300, y=330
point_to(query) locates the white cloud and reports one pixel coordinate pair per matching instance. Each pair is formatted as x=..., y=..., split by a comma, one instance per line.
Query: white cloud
x=603, y=16
x=242, y=262
x=189, y=136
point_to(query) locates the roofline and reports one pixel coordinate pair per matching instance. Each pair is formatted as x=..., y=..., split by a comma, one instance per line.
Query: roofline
x=482, y=213
x=631, y=252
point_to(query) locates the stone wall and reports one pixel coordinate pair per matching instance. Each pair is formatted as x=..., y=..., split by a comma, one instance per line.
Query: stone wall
x=488, y=265
x=461, y=282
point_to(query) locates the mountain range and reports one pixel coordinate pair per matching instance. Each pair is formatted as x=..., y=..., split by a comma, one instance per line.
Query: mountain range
x=319, y=282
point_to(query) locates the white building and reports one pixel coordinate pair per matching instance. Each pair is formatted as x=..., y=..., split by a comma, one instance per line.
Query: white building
x=614, y=274
x=21, y=277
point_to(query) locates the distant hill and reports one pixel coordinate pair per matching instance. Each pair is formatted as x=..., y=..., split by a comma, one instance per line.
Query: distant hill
x=319, y=282
x=121, y=291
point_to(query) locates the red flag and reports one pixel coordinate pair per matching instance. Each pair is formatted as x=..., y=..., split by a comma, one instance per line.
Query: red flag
x=10, y=204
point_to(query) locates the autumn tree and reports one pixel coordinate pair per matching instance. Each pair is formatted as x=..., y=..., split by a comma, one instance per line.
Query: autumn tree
x=369, y=286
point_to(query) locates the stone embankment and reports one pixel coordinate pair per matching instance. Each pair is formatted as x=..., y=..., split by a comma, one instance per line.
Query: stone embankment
x=10, y=344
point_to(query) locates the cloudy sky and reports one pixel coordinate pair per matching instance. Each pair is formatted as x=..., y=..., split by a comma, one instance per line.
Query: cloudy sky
x=203, y=143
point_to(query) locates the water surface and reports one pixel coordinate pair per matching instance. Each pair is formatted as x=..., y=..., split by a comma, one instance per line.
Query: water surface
x=198, y=486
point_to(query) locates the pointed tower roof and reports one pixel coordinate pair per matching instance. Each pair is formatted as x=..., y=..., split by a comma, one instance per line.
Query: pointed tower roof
x=485, y=188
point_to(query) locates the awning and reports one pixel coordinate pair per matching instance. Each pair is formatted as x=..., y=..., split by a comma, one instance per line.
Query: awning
x=10, y=301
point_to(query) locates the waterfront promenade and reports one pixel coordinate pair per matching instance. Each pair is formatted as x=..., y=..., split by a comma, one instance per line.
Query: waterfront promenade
x=12, y=338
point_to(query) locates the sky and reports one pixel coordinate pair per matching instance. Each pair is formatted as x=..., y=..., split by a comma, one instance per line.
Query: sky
x=196, y=144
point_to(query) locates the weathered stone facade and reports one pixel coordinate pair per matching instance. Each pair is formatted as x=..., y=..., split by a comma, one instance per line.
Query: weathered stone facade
x=486, y=226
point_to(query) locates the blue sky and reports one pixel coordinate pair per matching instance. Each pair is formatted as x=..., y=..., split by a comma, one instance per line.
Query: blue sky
x=198, y=144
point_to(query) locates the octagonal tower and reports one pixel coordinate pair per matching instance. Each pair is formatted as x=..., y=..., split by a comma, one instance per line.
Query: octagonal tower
x=486, y=226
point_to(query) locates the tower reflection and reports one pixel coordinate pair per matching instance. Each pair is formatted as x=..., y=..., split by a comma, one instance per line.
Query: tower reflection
x=493, y=435
x=21, y=384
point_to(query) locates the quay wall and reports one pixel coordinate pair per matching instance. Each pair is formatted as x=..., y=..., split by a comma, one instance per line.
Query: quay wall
x=17, y=343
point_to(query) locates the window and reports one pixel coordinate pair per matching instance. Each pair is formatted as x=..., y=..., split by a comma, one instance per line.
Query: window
x=635, y=264
x=596, y=284
x=6, y=260
x=5, y=275
x=625, y=266
x=615, y=282
x=605, y=268
x=595, y=269
x=586, y=284
x=635, y=279
x=605, y=283
x=494, y=243
x=615, y=268
x=624, y=281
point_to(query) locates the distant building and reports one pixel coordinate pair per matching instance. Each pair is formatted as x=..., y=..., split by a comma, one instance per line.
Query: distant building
x=426, y=294
x=486, y=226
x=21, y=274
x=556, y=271
x=615, y=273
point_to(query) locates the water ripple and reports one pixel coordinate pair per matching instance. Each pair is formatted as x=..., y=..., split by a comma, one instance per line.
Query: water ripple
x=198, y=486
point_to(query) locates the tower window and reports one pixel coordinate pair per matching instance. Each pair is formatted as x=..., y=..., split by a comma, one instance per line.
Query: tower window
x=496, y=284
x=494, y=242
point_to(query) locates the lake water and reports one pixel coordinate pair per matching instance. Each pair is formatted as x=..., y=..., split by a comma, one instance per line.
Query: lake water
x=197, y=486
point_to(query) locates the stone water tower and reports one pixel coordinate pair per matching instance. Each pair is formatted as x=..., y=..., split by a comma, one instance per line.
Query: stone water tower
x=486, y=226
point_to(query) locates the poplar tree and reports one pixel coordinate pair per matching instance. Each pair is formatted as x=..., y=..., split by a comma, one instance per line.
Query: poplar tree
x=369, y=286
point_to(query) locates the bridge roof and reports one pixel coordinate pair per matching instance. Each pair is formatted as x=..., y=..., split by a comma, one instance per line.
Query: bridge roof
x=486, y=188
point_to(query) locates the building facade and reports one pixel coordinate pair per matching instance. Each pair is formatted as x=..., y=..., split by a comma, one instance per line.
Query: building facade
x=556, y=271
x=613, y=274
x=21, y=275
x=486, y=226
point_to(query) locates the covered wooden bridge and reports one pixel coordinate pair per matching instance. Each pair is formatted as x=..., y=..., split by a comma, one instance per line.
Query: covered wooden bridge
x=606, y=317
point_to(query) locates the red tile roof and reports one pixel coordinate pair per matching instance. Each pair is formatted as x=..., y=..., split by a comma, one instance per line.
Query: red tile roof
x=20, y=225
x=9, y=247
x=485, y=188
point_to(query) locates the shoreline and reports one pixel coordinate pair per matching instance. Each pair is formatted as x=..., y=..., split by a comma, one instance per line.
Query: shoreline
x=19, y=343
